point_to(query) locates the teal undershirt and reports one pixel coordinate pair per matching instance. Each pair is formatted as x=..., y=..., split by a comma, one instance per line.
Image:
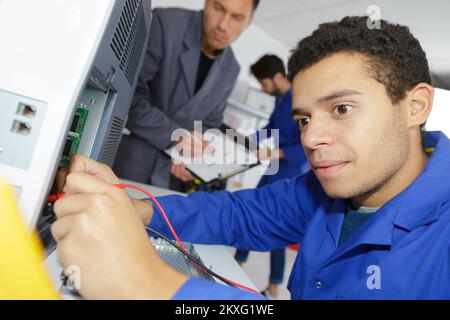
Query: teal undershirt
x=354, y=218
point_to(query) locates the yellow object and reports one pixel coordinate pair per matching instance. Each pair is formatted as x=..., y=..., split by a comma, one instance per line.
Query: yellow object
x=22, y=273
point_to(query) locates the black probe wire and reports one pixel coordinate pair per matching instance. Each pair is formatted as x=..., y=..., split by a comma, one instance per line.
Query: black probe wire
x=191, y=257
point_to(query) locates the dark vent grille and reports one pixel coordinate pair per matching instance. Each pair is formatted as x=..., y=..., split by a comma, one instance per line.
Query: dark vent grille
x=110, y=148
x=129, y=38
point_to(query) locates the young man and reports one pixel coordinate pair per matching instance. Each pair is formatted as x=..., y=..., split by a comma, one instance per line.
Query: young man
x=361, y=97
x=188, y=74
x=270, y=72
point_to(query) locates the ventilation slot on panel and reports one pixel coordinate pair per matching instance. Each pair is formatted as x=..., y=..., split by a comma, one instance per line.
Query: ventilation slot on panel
x=113, y=140
x=129, y=38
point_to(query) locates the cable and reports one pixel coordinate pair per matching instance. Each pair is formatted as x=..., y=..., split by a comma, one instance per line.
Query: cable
x=190, y=256
x=53, y=197
x=56, y=196
x=161, y=210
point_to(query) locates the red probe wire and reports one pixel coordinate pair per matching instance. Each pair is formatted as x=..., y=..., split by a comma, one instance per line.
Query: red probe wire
x=59, y=195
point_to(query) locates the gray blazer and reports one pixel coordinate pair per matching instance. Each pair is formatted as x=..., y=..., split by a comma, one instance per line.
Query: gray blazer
x=164, y=99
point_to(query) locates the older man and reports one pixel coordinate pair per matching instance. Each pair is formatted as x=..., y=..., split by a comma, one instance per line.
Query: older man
x=188, y=75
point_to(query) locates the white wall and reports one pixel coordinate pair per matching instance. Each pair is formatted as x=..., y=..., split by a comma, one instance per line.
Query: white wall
x=440, y=114
x=252, y=44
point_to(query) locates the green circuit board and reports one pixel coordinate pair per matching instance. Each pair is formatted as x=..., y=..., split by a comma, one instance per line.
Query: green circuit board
x=74, y=136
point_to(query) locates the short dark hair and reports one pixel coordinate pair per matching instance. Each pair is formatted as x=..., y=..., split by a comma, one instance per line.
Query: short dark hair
x=267, y=67
x=394, y=56
x=255, y=5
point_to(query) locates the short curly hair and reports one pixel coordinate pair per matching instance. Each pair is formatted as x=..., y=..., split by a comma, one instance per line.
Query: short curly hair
x=267, y=67
x=394, y=56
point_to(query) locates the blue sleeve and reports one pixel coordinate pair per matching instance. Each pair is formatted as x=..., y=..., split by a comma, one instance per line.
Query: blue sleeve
x=261, y=219
x=198, y=289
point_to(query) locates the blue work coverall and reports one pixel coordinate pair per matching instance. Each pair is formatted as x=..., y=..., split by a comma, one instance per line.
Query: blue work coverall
x=401, y=252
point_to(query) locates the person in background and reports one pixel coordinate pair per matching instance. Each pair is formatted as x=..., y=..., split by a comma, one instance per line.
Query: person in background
x=270, y=72
x=188, y=74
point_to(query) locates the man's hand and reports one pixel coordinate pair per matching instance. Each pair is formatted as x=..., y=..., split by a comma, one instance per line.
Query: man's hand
x=98, y=231
x=178, y=169
x=269, y=154
x=79, y=163
x=192, y=145
x=104, y=173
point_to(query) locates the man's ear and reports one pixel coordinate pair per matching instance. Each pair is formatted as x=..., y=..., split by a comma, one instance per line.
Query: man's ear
x=419, y=104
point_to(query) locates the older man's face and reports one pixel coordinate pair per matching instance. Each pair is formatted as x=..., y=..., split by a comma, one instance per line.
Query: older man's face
x=224, y=21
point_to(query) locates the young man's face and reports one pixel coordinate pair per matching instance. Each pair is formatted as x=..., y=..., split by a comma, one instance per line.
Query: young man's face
x=224, y=21
x=356, y=140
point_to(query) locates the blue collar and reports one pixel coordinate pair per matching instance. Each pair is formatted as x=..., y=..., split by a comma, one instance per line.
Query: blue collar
x=416, y=206
x=420, y=202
